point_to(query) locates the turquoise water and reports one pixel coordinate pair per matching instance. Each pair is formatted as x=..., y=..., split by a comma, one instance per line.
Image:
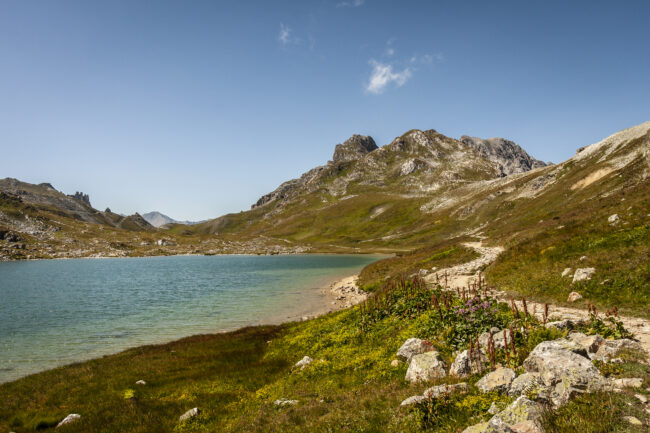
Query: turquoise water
x=54, y=312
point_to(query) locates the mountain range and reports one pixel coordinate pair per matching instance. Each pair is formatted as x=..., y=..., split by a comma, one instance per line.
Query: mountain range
x=158, y=219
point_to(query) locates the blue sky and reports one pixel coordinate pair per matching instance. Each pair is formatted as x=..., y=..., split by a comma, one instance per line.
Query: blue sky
x=198, y=108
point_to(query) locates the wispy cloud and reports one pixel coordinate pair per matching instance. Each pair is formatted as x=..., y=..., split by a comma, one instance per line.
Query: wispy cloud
x=284, y=36
x=351, y=4
x=428, y=59
x=383, y=75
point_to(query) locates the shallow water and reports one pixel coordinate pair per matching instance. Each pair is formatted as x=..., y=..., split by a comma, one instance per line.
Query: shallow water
x=54, y=312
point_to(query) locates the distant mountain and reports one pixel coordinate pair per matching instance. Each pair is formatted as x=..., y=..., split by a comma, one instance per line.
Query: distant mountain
x=158, y=219
x=45, y=198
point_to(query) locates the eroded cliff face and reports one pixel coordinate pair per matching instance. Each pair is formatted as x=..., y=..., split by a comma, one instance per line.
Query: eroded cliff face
x=509, y=157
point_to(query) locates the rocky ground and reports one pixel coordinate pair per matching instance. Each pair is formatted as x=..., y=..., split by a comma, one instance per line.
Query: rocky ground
x=467, y=274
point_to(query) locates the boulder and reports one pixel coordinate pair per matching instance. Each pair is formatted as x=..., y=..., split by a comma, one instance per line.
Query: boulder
x=494, y=409
x=566, y=272
x=562, y=325
x=523, y=383
x=73, y=417
x=425, y=367
x=628, y=382
x=591, y=343
x=519, y=411
x=463, y=366
x=189, y=414
x=304, y=362
x=498, y=380
x=574, y=296
x=412, y=347
x=564, y=370
x=611, y=348
x=582, y=274
x=497, y=337
x=440, y=390
x=527, y=427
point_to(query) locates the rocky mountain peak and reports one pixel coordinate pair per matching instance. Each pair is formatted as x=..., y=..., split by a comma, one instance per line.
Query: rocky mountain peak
x=81, y=197
x=354, y=148
x=509, y=156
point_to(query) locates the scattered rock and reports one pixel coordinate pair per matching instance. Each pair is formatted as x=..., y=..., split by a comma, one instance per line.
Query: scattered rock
x=591, y=343
x=562, y=325
x=628, y=382
x=494, y=409
x=304, y=362
x=425, y=367
x=189, y=414
x=566, y=272
x=463, y=366
x=582, y=258
x=632, y=420
x=613, y=219
x=69, y=419
x=527, y=427
x=412, y=347
x=285, y=402
x=395, y=363
x=523, y=383
x=642, y=398
x=141, y=382
x=582, y=274
x=611, y=348
x=497, y=337
x=574, y=296
x=440, y=390
x=497, y=380
x=522, y=416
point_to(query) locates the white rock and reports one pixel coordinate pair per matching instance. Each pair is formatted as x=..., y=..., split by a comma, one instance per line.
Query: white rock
x=523, y=383
x=582, y=258
x=440, y=390
x=628, y=382
x=411, y=401
x=395, y=363
x=613, y=219
x=582, y=274
x=497, y=380
x=304, y=362
x=463, y=366
x=566, y=271
x=425, y=367
x=574, y=296
x=632, y=420
x=189, y=414
x=642, y=398
x=285, y=402
x=141, y=382
x=412, y=347
x=69, y=419
x=591, y=343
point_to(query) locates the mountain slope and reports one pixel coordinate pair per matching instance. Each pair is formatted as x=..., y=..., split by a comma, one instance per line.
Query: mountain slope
x=158, y=219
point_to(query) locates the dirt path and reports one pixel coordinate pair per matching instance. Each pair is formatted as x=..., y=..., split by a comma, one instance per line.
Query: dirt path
x=465, y=274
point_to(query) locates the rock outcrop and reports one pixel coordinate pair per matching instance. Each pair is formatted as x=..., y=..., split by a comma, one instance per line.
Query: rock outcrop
x=425, y=367
x=509, y=157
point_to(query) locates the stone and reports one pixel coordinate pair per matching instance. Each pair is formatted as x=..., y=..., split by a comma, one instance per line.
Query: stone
x=632, y=420
x=566, y=272
x=285, y=402
x=498, y=380
x=497, y=337
x=521, y=410
x=523, y=383
x=463, y=366
x=564, y=370
x=425, y=367
x=494, y=409
x=73, y=417
x=141, y=382
x=440, y=390
x=582, y=274
x=583, y=258
x=395, y=363
x=642, y=398
x=591, y=343
x=613, y=219
x=574, y=296
x=562, y=325
x=527, y=427
x=304, y=362
x=412, y=347
x=628, y=382
x=611, y=348
x=189, y=414
x=413, y=400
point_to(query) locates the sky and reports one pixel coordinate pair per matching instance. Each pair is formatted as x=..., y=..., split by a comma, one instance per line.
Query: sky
x=198, y=108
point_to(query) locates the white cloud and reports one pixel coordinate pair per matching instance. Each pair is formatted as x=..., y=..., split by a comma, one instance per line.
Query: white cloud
x=285, y=34
x=383, y=75
x=351, y=4
x=428, y=59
